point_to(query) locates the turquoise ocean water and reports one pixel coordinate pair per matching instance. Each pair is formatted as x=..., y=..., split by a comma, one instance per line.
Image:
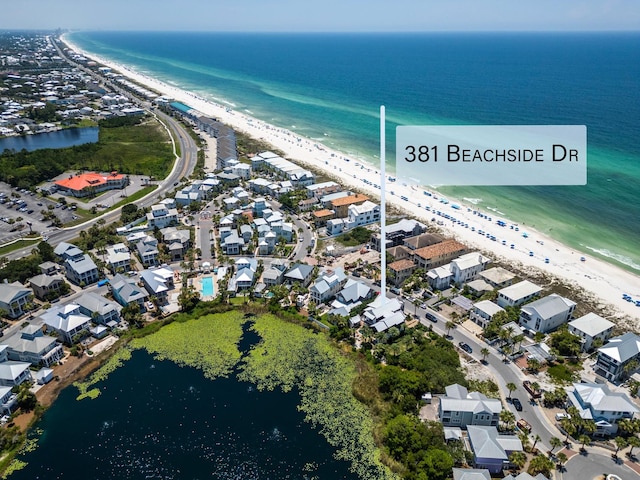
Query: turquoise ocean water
x=329, y=87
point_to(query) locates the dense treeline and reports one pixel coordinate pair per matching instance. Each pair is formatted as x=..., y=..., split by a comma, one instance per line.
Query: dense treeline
x=124, y=145
x=24, y=268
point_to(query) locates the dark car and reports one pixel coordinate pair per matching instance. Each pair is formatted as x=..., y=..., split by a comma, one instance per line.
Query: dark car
x=517, y=404
x=431, y=316
x=465, y=347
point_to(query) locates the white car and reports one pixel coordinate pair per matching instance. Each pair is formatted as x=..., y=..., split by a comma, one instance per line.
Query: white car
x=149, y=305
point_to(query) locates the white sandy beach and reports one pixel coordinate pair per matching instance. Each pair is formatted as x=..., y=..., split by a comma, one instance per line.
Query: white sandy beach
x=607, y=282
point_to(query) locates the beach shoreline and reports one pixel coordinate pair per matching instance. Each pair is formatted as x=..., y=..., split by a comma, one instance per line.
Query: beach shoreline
x=605, y=281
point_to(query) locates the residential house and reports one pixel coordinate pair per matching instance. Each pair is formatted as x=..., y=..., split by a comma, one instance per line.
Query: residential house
x=422, y=240
x=14, y=373
x=8, y=400
x=272, y=276
x=327, y=285
x=591, y=327
x=299, y=273
x=79, y=267
x=30, y=345
x=245, y=273
x=363, y=214
x=100, y=309
x=490, y=449
x=353, y=294
x=518, y=294
x=341, y=205
x=460, y=408
x=596, y=402
x=467, y=267
x=67, y=321
x=232, y=244
x=125, y=290
x=118, y=258
x=321, y=217
x=525, y=476
x=47, y=286
x=439, y=254
x=49, y=268
x=148, y=252
x=497, y=277
x=547, y=314
x=384, y=313
x=471, y=474
x=177, y=241
x=158, y=282
x=440, y=278
x=400, y=270
x=618, y=357
x=319, y=190
x=14, y=298
x=161, y=216
x=336, y=226
x=482, y=312
x=396, y=233
x=479, y=287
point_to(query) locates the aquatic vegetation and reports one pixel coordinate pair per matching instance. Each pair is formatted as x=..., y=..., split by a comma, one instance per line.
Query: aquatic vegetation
x=290, y=356
x=14, y=466
x=209, y=343
x=116, y=361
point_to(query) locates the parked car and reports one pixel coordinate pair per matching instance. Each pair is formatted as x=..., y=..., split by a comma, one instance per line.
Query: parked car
x=432, y=317
x=465, y=347
x=523, y=425
x=516, y=403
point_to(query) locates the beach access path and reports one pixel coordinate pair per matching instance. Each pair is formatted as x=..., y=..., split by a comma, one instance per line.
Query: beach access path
x=605, y=281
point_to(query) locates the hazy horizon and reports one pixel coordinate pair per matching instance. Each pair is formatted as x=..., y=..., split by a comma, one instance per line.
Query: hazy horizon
x=348, y=16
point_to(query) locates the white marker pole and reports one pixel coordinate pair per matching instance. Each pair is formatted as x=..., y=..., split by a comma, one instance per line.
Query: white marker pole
x=383, y=216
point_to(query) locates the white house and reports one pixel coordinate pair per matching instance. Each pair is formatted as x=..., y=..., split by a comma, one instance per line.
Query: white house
x=363, y=214
x=383, y=313
x=161, y=216
x=517, y=294
x=482, y=312
x=66, y=320
x=596, y=402
x=589, y=328
x=466, y=267
x=118, y=258
x=614, y=357
x=547, y=314
x=14, y=373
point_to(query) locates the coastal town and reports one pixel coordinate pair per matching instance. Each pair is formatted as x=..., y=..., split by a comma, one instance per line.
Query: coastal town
x=89, y=254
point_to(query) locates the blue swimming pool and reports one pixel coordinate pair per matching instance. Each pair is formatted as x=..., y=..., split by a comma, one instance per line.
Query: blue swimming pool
x=207, y=286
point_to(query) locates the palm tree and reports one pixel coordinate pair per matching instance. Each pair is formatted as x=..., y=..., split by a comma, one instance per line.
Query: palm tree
x=633, y=442
x=525, y=440
x=584, y=440
x=518, y=459
x=540, y=464
x=555, y=443
x=536, y=439
x=561, y=458
x=621, y=443
x=511, y=387
x=485, y=353
x=533, y=364
x=449, y=325
x=569, y=428
x=508, y=418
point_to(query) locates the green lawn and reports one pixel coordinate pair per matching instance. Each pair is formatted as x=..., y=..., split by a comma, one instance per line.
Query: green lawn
x=18, y=245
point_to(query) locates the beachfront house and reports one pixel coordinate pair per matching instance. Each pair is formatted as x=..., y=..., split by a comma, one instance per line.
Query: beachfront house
x=497, y=277
x=438, y=254
x=596, y=402
x=518, y=294
x=619, y=357
x=397, y=233
x=460, y=408
x=467, y=267
x=14, y=298
x=490, y=449
x=591, y=327
x=547, y=314
x=363, y=214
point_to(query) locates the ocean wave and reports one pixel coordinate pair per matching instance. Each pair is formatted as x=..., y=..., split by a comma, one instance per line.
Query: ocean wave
x=615, y=256
x=495, y=210
x=474, y=201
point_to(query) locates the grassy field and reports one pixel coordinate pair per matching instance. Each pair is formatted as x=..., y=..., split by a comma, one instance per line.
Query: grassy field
x=18, y=245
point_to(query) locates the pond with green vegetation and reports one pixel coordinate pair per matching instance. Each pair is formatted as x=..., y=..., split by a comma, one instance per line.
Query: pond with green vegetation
x=222, y=396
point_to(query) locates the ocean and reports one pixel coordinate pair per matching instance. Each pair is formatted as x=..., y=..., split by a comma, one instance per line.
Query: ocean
x=329, y=87
x=157, y=420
